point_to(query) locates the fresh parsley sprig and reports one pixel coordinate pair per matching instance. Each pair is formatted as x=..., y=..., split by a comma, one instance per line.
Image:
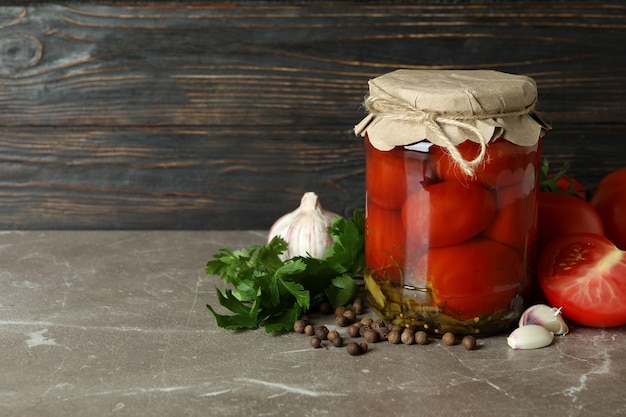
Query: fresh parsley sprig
x=271, y=293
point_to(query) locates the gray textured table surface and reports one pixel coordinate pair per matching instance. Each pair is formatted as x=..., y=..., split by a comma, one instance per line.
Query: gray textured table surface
x=114, y=323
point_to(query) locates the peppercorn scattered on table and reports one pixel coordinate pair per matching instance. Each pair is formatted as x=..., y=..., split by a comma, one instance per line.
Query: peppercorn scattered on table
x=115, y=323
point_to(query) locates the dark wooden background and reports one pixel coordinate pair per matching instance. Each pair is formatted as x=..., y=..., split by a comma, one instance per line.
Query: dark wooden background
x=220, y=115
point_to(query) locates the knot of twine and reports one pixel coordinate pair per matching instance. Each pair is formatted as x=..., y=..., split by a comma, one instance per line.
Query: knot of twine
x=397, y=110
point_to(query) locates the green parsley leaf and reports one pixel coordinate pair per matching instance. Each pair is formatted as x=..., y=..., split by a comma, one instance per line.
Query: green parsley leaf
x=275, y=286
x=245, y=316
x=346, y=253
x=271, y=293
x=343, y=289
x=284, y=321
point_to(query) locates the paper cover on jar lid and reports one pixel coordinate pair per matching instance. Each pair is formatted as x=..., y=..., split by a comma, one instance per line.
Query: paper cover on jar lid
x=449, y=107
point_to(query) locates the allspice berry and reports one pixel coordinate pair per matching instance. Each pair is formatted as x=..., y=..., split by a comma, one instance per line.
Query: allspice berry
x=421, y=337
x=469, y=342
x=407, y=337
x=383, y=332
x=394, y=337
x=353, y=330
x=378, y=323
x=321, y=332
x=353, y=349
x=325, y=308
x=367, y=321
x=337, y=341
x=315, y=342
x=448, y=339
x=350, y=315
x=357, y=305
x=342, y=321
x=363, y=329
x=309, y=330
x=335, y=338
x=339, y=310
x=299, y=326
x=371, y=336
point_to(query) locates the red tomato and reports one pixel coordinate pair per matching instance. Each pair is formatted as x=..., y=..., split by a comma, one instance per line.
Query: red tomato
x=384, y=241
x=447, y=213
x=610, y=201
x=391, y=175
x=504, y=164
x=567, y=184
x=561, y=214
x=514, y=223
x=472, y=279
x=585, y=275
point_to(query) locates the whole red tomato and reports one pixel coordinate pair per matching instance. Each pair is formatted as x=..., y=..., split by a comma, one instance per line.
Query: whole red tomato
x=504, y=164
x=561, y=214
x=569, y=185
x=384, y=241
x=610, y=201
x=391, y=175
x=447, y=213
x=585, y=275
x=474, y=278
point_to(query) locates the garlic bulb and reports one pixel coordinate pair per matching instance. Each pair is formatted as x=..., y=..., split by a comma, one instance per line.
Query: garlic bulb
x=532, y=336
x=546, y=316
x=305, y=229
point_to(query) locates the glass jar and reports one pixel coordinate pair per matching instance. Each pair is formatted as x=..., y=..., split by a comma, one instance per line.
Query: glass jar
x=451, y=214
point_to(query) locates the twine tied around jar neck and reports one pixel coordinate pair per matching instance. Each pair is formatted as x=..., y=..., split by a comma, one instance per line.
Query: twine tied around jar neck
x=400, y=110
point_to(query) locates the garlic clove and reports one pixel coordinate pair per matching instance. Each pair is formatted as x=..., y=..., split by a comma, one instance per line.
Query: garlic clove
x=305, y=229
x=532, y=336
x=546, y=316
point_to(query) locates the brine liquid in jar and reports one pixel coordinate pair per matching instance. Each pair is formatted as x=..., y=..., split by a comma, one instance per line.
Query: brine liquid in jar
x=447, y=248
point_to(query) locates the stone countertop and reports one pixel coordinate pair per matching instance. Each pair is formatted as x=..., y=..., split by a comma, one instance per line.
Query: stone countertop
x=99, y=323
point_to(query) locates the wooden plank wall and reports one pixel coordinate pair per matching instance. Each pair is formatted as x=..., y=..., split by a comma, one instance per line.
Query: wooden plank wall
x=220, y=115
